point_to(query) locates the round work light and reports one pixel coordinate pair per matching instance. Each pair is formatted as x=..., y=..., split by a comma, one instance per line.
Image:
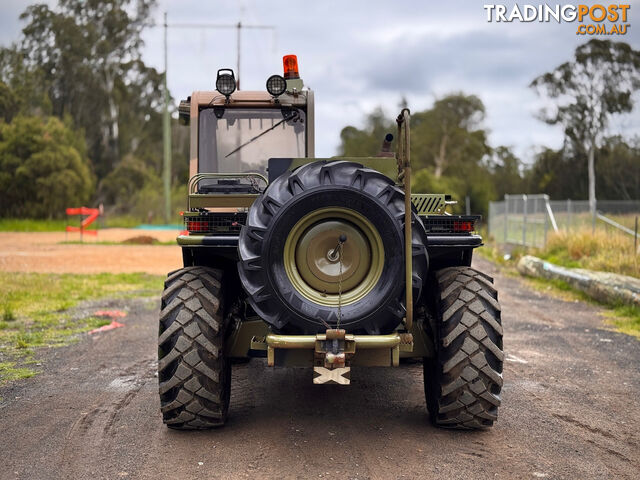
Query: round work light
x=226, y=82
x=276, y=85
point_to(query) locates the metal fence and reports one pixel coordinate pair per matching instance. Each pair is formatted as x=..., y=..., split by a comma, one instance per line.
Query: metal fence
x=528, y=219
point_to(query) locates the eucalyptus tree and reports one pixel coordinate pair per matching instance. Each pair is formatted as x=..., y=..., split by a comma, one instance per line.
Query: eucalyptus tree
x=88, y=56
x=586, y=92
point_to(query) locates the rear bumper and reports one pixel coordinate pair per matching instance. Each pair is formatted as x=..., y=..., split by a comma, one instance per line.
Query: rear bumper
x=387, y=348
x=435, y=241
x=454, y=241
x=208, y=240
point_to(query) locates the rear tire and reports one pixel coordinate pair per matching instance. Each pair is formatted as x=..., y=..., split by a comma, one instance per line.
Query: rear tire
x=193, y=374
x=463, y=383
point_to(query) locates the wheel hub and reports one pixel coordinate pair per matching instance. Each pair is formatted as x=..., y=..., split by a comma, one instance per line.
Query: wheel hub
x=313, y=259
x=318, y=258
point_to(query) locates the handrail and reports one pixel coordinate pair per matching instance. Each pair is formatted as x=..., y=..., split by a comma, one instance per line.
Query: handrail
x=404, y=174
x=193, y=181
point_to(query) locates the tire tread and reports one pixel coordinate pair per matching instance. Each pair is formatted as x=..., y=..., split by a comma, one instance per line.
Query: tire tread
x=193, y=375
x=463, y=384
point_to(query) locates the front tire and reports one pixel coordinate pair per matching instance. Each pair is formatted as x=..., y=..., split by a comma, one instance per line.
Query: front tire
x=463, y=383
x=193, y=374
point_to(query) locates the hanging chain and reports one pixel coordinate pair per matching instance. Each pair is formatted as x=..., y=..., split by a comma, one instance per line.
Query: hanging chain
x=339, y=286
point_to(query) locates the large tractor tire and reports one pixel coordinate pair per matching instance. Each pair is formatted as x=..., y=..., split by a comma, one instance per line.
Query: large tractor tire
x=463, y=383
x=193, y=374
x=286, y=265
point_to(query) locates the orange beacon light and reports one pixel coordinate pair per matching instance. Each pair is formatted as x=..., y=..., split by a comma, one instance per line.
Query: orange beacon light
x=290, y=63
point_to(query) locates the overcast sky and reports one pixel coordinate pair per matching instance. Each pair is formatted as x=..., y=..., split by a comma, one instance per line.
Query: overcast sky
x=358, y=55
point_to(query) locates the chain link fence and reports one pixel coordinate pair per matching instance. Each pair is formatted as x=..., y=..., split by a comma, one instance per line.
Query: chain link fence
x=529, y=219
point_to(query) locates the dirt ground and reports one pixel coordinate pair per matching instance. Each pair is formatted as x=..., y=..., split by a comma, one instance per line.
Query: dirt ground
x=45, y=252
x=571, y=409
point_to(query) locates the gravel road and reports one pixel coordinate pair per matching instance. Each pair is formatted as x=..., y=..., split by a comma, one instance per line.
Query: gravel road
x=571, y=409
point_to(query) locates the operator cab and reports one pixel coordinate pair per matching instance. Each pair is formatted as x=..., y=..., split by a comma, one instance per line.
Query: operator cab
x=237, y=132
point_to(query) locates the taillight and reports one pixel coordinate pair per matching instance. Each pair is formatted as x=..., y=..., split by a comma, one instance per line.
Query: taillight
x=197, y=226
x=462, y=226
x=214, y=222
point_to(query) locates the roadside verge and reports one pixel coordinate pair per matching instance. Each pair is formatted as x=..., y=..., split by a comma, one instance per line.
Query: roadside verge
x=610, y=288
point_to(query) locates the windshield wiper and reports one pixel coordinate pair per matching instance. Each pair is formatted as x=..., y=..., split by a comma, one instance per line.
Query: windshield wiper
x=294, y=117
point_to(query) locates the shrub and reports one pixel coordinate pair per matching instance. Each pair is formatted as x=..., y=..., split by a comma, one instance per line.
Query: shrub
x=43, y=168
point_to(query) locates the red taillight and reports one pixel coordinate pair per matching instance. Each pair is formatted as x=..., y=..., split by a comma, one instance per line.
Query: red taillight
x=290, y=63
x=462, y=226
x=197, y=226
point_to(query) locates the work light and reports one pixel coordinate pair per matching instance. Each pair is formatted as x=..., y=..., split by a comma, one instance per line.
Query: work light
x=276, y=85
x=226, y=82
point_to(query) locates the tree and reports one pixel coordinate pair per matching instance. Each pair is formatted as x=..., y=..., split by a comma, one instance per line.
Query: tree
x=619, y=168
x=86, y=55
x=586, y=92
x=43, y=168
x=8, y=103
x=449, y=134
x=563, y=173
x=366, y=142
x=559, y=173
x=448, y=148
x=506, y=169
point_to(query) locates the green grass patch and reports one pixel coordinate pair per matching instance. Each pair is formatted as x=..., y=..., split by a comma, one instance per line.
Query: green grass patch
x=58, y=225
x=39, y=304
x=7, y=314
x=9, y=372
x=625, y=319
x=31, y=225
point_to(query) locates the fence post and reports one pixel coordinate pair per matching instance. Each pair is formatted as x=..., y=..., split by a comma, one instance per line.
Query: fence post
x=506, y=217
x=534, y=227
x=524, y=220
x=546, y=227
x=569, y=211
x=635, y=238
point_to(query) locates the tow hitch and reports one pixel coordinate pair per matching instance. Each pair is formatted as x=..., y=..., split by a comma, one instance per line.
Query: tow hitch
x=335, y=350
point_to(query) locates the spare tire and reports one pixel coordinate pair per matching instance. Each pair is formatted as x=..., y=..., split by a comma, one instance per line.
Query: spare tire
x=295, y=275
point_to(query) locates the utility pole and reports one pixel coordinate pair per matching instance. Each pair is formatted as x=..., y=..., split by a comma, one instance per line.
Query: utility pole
x=239, y=27
x=166, y=131
x=166, y=137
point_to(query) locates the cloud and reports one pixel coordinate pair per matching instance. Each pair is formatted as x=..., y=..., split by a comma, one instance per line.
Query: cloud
x=360, y=54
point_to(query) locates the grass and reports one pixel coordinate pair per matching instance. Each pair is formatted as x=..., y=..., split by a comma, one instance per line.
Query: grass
x=31, y=225
x=37, y=312
x=603, y=251
x=58, y=225
x=626, y=319
x=9, y=372
x=538, y=227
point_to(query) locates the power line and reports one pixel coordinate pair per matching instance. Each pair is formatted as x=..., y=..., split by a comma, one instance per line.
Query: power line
x=166, y=119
